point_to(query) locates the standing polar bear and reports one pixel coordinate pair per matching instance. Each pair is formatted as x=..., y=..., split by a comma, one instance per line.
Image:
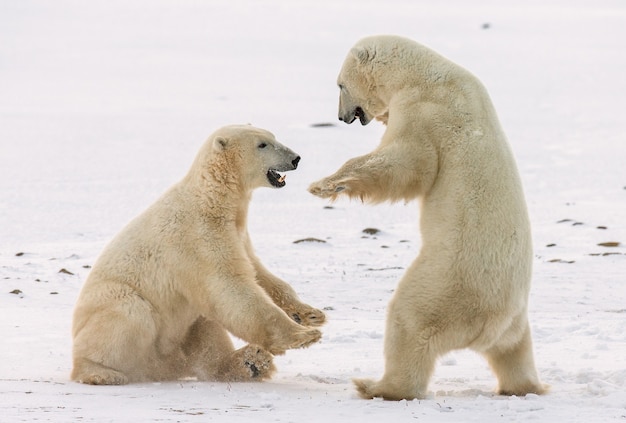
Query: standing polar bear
x=161, y=299
x=469, y=286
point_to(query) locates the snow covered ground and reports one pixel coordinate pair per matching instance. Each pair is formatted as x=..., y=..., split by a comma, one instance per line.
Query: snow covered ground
x=103, y=105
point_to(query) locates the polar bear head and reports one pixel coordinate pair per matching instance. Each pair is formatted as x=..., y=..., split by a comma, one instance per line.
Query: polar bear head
x=354, y=96
x=375, y=68
x=245, y=156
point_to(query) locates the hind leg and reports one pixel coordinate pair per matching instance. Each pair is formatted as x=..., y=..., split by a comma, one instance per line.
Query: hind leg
x=112, y=347
x=514, y=366
x=409, y=364
x=421, y=326
x=411, y=349
x=211, y=355
x=250, y=363
x=92, y=373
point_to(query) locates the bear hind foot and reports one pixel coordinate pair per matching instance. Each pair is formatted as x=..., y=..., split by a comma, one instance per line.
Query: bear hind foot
x=524, y=389
x=88, y=372
x=250, y=363
x=369, y=389
x=363, y=388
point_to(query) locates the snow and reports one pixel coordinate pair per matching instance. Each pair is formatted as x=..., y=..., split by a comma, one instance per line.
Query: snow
x=104, y=104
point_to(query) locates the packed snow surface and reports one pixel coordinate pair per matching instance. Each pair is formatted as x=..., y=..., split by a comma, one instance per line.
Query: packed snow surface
x=104, y=104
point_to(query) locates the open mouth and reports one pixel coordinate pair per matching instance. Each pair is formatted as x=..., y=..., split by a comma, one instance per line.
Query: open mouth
x=358, y=112
x=276, y=179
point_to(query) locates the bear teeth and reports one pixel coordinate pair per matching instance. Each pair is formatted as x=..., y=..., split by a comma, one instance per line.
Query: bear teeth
x=275, y=178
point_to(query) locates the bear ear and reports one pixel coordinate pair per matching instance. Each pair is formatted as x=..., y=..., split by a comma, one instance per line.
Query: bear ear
x=363, y=54
x=220, y=143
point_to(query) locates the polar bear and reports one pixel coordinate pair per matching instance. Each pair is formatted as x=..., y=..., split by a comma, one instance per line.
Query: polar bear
x=162, y=297
x=443, y=145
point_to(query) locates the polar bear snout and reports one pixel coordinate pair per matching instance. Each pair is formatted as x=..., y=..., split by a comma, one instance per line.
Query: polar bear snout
x=348, y=118
x=290, y=163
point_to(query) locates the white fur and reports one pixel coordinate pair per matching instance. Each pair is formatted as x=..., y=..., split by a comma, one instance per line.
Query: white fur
x=160, y=299
x=469, y=286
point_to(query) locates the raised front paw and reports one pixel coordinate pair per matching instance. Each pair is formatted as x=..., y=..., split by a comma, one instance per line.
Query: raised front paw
x=308, y=316
x=326, y=188
x=301, y=338
x=306, y=338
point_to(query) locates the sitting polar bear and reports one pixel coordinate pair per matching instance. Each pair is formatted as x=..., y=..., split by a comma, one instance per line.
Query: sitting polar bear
x=161, y=299
x=469, y=286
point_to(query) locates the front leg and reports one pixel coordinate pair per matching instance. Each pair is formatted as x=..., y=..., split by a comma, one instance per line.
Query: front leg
x=283, y=295
x=369, y=177
x=245, y=310
x=286, y=298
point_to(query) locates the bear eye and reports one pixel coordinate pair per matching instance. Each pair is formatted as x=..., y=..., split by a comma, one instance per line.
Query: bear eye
x=262, y=145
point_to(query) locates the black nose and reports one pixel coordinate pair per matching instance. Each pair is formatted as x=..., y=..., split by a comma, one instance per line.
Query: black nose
x=295, y=162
